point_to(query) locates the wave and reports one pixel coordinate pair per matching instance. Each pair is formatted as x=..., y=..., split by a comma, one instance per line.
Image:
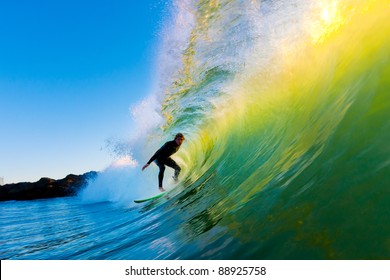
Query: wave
x=285, y=107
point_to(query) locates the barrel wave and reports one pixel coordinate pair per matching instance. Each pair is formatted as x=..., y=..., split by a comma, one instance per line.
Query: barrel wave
x=285, y=106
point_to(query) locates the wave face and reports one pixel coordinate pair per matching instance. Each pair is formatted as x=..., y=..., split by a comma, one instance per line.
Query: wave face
x=286, y=110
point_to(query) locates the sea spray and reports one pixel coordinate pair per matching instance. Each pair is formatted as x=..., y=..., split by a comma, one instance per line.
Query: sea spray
x=123, y=180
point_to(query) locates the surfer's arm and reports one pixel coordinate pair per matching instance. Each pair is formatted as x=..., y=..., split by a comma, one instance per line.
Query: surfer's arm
x=156, y=155
x=152, y=158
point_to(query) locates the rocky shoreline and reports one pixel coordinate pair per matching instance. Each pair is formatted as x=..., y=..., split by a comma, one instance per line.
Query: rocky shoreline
x=46, y=187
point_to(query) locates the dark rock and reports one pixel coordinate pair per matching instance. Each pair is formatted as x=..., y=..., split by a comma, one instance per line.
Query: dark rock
x=46, y=187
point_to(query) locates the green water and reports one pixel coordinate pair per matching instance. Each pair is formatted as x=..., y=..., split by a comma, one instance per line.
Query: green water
x=291, y=156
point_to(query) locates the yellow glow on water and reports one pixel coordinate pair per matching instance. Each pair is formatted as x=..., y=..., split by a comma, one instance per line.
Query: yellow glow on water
x=311, y=92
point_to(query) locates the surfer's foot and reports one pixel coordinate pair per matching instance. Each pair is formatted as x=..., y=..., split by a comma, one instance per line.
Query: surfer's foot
x=175, y=179
x=161, y=189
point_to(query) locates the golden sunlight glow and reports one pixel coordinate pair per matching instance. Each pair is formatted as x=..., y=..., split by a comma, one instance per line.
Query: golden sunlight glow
x=327, y=19
x=329, y=14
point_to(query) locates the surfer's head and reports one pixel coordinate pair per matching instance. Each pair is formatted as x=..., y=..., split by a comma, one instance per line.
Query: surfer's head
x=179, y=138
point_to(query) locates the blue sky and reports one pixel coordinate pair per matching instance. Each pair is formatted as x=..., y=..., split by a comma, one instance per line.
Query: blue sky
x=69, y=72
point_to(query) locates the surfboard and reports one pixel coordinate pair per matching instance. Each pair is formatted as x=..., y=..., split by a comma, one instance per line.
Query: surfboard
x=149, y=198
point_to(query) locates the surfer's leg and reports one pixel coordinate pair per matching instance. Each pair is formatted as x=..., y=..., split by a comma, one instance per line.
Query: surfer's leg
x=161, y=166
x=171, y=163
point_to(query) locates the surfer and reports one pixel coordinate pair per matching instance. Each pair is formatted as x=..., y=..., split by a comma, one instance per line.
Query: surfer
x=163, y=157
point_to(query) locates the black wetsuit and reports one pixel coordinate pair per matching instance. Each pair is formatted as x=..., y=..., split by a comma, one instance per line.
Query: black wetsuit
x=162, y=158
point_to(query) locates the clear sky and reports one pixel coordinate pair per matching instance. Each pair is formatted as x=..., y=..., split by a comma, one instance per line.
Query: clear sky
x=69, y=72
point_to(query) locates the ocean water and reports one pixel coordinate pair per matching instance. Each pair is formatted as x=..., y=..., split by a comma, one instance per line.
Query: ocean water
x=286, y=110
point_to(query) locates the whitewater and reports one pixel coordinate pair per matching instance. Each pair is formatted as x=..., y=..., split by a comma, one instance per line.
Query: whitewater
x=285, y=106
